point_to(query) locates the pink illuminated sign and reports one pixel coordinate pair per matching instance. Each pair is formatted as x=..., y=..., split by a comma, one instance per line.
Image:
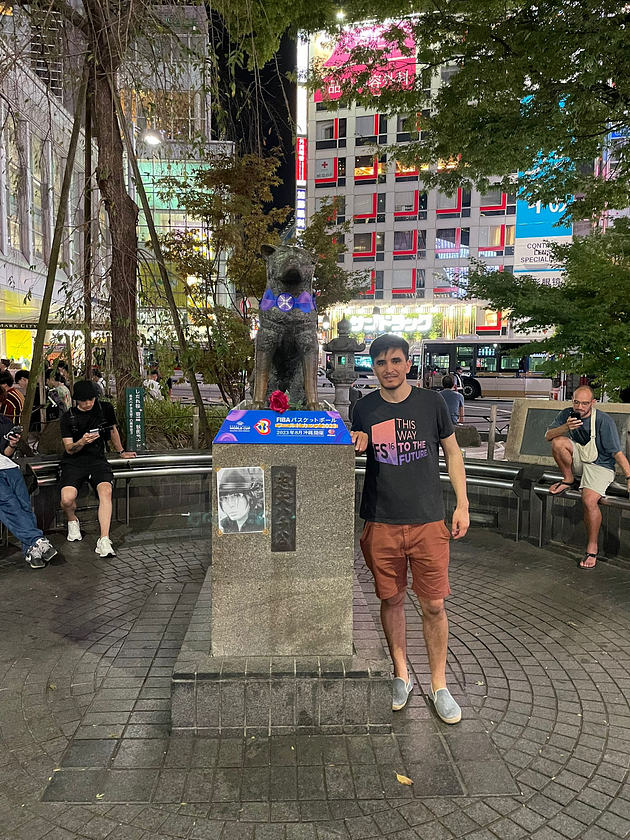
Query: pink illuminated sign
x=399, y=70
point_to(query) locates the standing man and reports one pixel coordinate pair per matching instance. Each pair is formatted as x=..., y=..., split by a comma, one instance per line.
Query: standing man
x=453, y=399
x=570, y=433
x=457, y=376
x=401, y=428
x=11, y=397
x=84, y=431
x=152, y=386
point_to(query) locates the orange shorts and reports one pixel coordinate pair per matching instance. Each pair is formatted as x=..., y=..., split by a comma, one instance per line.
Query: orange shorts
x=388, y=548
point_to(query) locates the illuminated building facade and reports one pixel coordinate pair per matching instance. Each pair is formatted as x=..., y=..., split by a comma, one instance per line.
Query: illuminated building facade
x=416, y=243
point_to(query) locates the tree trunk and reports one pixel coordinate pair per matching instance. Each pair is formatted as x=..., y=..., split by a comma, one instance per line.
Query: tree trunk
x=122, y=213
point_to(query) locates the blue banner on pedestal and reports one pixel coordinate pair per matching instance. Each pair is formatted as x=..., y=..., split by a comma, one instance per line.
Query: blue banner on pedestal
x=290, y=427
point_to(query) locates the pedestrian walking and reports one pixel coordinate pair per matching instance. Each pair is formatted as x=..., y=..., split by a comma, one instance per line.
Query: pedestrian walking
x=402, y=428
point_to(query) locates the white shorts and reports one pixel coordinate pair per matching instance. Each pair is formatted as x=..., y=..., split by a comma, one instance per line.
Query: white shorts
x=594, y=477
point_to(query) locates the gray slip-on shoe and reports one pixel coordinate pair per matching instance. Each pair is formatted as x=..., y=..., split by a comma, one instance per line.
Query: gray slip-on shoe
x=400, y=692
x=447, y=708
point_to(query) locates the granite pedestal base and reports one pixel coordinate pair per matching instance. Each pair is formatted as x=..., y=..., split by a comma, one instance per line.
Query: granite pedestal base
x=283, y=585
x=256, y=695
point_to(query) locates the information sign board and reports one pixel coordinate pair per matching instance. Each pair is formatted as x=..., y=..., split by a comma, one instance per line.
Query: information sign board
x=290, y=427
x=134, y=404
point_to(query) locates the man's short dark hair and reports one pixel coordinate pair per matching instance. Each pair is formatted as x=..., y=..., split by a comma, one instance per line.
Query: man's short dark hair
x=63, y=365
x=459, y=367
x=54, y=375
x=6, y=378
x=5, y=362
x=386, y=342
x=447, y=381
x=155, y=373
x=21, y=374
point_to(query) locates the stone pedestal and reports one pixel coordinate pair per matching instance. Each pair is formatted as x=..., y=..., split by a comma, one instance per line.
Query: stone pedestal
x=287, y=591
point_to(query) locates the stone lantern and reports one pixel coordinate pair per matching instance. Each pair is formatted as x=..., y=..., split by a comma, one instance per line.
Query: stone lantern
x=342, y=374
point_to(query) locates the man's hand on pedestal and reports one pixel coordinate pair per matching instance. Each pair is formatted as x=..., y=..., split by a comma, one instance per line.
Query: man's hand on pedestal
x=360, y=440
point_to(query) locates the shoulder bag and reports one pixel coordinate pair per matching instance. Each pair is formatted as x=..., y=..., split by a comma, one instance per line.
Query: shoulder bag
x=588, y=451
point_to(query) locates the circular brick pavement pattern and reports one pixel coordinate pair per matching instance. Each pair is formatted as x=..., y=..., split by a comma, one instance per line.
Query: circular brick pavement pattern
x=540, y=657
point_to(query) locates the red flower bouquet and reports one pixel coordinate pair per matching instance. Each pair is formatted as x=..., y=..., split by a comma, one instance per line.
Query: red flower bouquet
x=279, y=402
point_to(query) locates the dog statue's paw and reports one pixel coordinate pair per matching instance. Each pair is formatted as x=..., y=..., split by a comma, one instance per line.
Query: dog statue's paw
x=312, y=406
x=258, y=406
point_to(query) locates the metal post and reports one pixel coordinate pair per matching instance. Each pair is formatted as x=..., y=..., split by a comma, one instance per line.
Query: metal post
x=196, y=427
x=492, y=431
x=69, y=360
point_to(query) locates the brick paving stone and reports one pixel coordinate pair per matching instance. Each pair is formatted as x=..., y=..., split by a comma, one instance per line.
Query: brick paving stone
x=520, y=626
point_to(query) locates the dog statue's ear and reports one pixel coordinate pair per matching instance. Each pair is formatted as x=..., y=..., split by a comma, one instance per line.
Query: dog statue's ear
x=267, y=250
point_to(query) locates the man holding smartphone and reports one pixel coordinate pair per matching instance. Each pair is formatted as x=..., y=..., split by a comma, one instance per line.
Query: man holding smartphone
x=570, y=435
x=16, y=512
x=85, y=431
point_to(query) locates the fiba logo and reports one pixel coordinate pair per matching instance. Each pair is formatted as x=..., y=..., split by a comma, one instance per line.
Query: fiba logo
x=263, y=427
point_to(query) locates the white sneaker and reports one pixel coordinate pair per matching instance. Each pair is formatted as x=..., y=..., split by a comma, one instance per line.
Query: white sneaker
x=104, y=547
x=74, y=531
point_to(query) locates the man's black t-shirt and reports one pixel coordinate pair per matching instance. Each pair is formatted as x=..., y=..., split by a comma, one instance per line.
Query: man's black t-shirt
x=402, y=480
x=101, y=412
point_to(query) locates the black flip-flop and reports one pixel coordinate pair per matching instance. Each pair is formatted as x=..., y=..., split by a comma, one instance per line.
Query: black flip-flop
x=566, y=484
x=587, y=568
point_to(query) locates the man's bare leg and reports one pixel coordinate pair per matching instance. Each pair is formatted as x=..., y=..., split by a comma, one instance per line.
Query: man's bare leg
x=69, y=502
x=435, y=631
x=393, y=621
x=562, y=451
x=104, y=491
x=593, y=521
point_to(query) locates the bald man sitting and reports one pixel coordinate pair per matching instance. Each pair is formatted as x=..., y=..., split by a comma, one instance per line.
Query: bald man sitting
x=570, y=436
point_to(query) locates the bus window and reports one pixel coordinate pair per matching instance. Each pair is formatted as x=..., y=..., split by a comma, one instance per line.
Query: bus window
x=536, y=361
x=362, y=364
x=486, y=358
x=441, y=361
x=464, y=357
x=510, y=358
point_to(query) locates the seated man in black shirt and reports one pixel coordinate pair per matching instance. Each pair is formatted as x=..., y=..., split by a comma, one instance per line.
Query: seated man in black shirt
x=84, y=431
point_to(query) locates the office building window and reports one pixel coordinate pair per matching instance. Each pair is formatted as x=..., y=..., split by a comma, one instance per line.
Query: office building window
x=365, y=166
x=39, y=204
x=15, y=183
x=452, y=242
x=404, y=241
x=365, y=126
x=365, y=206
x=363, y=243
x=325, y=130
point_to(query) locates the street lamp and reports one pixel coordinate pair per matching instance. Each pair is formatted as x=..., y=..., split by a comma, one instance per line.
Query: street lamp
x=152, y=138
x=326, y=323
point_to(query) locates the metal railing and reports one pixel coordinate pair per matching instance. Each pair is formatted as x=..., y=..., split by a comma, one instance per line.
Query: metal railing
x=187, y=463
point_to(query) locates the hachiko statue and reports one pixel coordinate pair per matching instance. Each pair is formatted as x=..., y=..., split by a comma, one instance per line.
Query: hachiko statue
x=286, y=343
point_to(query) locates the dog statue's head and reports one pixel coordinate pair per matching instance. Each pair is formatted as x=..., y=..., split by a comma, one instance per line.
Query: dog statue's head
x=288, y=269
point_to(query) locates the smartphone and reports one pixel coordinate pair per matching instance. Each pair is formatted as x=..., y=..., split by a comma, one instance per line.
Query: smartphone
x=94, y=432
x=16, y=431
x=575, y=415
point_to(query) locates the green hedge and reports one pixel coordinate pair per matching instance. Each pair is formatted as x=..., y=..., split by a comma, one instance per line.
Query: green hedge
x=170, y=424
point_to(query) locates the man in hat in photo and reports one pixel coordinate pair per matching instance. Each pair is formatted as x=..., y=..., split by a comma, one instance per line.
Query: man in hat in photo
x=85, y=431
x=238, y=504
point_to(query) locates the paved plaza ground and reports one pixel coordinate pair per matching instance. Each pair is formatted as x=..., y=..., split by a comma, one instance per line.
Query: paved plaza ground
x=540, y=661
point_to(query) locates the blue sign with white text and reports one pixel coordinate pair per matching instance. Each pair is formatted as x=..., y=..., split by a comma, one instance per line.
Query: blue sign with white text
x=543, y=216
x=289, y=427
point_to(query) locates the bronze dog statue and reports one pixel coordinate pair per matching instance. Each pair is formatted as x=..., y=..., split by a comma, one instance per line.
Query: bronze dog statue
x=286, y=342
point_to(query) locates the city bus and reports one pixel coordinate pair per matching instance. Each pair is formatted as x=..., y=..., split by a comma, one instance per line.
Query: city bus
x=501, y=368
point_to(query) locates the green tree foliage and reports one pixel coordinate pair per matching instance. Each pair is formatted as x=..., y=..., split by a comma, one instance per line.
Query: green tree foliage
x=534, y=82
x=588, y=312
x=324, y=239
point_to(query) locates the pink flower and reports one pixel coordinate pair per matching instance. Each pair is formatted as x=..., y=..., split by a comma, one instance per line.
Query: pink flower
x=278, y=402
